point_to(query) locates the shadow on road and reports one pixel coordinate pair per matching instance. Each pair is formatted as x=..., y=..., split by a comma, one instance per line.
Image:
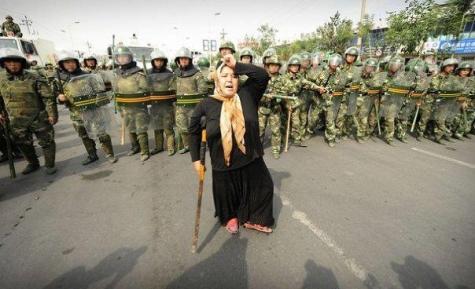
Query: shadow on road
x=415, y=273
x=227, y=268
x=319, y=277
x=118, y=264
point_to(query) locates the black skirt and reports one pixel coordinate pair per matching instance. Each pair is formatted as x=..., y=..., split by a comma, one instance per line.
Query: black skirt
x=245, y=193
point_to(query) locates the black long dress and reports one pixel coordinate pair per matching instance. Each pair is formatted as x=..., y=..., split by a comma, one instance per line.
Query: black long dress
x=243, y=190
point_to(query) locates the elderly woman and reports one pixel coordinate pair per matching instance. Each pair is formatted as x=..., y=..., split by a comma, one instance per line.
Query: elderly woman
x=242, y=185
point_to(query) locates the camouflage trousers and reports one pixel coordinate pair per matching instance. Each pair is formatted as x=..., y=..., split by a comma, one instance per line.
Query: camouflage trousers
x=272, y=117
x=22, y=132
x=425, y=111
x=390, y=107
x=462, y=123
x=163, y=119
x=443, y=108
x=364, y=104
x=332, y=107
x=405, y=117
x=299, y=118
x=317, y=108
x=347, y=119
x=136, y=120
x=182, y=117
x=343, y=121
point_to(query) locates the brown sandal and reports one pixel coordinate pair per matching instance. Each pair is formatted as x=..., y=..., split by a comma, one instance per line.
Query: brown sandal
x=257, y=227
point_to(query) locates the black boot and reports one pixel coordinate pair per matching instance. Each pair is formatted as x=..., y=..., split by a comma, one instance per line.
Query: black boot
x=30, y=155
x=92, y=157
x=135, y=149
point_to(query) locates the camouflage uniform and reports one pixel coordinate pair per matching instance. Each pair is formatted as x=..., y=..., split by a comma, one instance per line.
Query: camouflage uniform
x=132, y=96
x=445, y=90
x=334, y=82
x=464, y=119
x=294, y=85
x=10, y=26
x=396, y=87
x=163, y=88
x=29, y=102
x=85, y=94
x=204, y=66
x=316, y=103
x=414, y=99
x=368, y=100
x=190, y=89
x=345, y=120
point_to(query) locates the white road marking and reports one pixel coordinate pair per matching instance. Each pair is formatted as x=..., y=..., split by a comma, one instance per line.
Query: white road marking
x=350, y=263
x=444, y=158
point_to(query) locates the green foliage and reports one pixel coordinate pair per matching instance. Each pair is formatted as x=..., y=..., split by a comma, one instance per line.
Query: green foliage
x=336, y=34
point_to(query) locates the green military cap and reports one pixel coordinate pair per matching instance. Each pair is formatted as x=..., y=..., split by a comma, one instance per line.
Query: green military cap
x=371, y=62
x=335, y=59
x=465, y=65
x=228, y=44
x=274, y=59
x=353, y=50
x=450, y=61
x=203, y=62
x=246, y=52
x=294, y=60
x=123, y=50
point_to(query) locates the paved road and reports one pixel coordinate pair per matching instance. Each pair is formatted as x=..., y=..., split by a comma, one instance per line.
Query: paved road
x=355, y=216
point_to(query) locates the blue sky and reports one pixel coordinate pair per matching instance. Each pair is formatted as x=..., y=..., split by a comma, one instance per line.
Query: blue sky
x=172, y=24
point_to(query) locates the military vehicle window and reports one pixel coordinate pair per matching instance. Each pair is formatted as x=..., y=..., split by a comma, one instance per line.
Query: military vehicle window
x=8, y=43
x=28, y=48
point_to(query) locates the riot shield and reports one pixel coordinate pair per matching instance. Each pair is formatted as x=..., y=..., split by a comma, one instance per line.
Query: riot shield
x=87, y=94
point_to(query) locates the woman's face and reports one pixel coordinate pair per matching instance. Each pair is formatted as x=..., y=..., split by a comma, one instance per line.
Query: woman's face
x=228, y=82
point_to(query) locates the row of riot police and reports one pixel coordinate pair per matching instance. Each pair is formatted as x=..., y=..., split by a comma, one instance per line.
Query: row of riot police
x=338, y=94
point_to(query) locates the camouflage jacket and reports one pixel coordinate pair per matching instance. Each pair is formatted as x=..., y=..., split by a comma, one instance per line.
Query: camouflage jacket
x=443, y=85
x=335, y=83
x=25, y=96
x=12, y=27
x=400, y=83
x=372, y=84
x=353, y=75
x=468, y=84
x=294, y=84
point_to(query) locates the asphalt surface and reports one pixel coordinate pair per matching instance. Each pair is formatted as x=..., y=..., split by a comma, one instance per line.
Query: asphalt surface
x=355, y=216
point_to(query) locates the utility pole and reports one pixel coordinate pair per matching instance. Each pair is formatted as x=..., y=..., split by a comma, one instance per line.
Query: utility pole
x=223, y=34
x=27, y=22
x=363, y=13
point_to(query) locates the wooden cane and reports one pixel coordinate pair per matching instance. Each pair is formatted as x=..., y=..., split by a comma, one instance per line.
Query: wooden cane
x=122, y=132
x=200, y=191
x=287, y=133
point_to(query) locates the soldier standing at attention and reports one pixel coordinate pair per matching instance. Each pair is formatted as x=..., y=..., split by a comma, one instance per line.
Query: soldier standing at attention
x=132, y=97
x=77, y=100
x=191, y=88
x=163, y=94
x=445, y=87
x=31, y=108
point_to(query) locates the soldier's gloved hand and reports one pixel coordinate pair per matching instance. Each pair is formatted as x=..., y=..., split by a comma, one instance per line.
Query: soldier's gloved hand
x=62, y=97
x=2, y=119
x=52, y=120
x=322, y=90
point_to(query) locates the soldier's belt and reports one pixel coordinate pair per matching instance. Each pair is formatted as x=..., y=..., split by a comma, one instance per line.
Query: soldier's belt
x=417, y=94
x=448, y=94
x=374, y=91
x=354, y=87
x=160, y=96
x=337, y=93
x=132, y=98
x=189, y=99
x=89, y=101
x=398, y=91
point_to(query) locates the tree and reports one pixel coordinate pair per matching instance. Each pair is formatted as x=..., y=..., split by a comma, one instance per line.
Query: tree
x=451, y=15
x=336, y=34
x=266, y=37
x=412, y=26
